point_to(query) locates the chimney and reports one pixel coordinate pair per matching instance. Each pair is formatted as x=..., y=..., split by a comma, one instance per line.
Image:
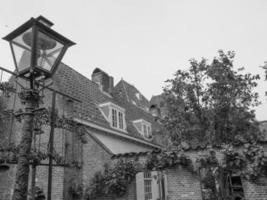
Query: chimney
x=105, y=82
x=155, y=111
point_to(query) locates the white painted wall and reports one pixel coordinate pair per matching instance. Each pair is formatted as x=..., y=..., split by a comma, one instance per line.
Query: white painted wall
x=119, y=145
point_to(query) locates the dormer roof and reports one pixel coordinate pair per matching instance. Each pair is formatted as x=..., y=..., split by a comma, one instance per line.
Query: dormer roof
x=75, y=84
x=132, y=95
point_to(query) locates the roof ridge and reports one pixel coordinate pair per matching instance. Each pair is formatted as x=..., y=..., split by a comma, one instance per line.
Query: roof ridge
x=78, y=73
x=135, y=89
x=125, y=90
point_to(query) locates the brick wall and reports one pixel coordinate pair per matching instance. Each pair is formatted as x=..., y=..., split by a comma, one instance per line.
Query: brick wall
x=6, y=183
x=59, y=189
x=182, y=185
x=129, y=195
x=254, y=191
x=94, y=158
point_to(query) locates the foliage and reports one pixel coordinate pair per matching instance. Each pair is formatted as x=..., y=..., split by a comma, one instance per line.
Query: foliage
x=76, y=189
x=207, y=160
x=113, y=181
x=43, y=116
x=249, y=161
x=211, y=103
x=257, y=161
x=264, y=67
x=167, y=159
x=39, y=194
x=2, y=117
x=10, y=153
x=7, y=88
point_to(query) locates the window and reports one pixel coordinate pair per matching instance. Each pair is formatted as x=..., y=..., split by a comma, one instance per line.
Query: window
x=147, y=185
x=114, y=118
x=117, y=119
x=151, y=185
x=230, y=184
x=114, y=115
x=147, y=130
x=120, y=120
x=235, y=187
x=144, y=128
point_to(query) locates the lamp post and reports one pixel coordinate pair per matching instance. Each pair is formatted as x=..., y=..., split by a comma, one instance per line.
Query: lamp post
x=37, y=51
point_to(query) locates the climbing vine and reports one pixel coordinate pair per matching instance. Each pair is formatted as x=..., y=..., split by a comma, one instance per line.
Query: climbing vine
x=7, y=88
x=168, y=159
x=113, y=180
x=250, y=162
x=10, y=153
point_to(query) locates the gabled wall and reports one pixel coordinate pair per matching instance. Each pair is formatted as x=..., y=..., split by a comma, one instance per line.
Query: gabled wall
x=118, y=144
x=58, y=187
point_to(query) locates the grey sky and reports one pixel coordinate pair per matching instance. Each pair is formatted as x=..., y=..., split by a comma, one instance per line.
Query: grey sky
x=146, y=41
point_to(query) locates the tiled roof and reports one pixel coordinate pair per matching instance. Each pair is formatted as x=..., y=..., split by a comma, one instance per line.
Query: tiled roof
x=132, y=95
x=156, y=100
x=134, y=154
x=75, y=84
x=125, y=93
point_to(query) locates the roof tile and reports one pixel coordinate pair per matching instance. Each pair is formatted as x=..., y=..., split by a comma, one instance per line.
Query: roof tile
x=75, y=84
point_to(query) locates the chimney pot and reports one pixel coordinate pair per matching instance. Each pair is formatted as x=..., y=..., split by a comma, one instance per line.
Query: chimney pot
x=105, y=82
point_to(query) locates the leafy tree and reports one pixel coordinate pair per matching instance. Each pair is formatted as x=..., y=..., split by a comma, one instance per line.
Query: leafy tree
x=264, y=67
x=1, y=118
x=211, y=103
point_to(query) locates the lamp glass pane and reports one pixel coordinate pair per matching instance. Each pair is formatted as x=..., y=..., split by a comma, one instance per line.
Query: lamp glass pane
x=48, y=50
x=22, y=50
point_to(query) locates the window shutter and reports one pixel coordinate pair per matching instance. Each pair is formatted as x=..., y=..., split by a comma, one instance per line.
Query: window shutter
x=155, y=185
x=140, y=193
x=165, y=185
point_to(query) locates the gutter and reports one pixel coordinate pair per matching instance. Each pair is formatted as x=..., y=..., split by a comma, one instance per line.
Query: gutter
x=84, y=122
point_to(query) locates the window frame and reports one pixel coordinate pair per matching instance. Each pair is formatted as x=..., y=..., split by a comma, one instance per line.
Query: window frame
x=114, y=118
x=151, y=185
x=117, y=114
x=148, y=195
x=146, y=128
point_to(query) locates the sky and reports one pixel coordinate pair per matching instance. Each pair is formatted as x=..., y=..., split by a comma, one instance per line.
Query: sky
x=146, y=41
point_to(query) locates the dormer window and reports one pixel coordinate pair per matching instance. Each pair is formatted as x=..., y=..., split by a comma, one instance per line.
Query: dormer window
x=144, y=128
x=114, y=114
x=117, y=119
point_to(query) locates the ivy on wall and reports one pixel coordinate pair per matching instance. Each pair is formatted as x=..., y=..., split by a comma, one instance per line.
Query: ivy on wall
x=113, y=180
x=10, y=155
x=7, y=88
x=249, y=161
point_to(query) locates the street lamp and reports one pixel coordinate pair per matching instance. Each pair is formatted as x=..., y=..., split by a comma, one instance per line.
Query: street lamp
x=36, y=48
x=37, y=51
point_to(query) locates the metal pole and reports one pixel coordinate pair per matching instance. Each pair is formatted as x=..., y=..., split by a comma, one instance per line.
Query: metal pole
x=51, y=144
x=33, y=170
x=30, y=98
x=33, y=180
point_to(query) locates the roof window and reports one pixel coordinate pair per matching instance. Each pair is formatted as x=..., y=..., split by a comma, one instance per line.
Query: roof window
x=144, y=128
x=114, y=114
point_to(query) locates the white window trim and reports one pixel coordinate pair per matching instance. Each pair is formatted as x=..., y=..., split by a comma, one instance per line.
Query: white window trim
x=157, y=188
x=116, y=133
x=150, y=180
x=143, y=122
x=110, y=104
x=109, y=117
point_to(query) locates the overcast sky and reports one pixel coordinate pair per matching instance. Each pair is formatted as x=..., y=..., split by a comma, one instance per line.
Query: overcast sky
x=146, y=41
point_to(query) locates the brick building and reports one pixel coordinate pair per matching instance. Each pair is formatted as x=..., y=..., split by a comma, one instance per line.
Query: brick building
x=119, y=121
x=116, y=120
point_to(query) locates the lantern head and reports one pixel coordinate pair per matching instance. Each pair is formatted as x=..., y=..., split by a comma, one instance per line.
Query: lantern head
x=37, y=49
